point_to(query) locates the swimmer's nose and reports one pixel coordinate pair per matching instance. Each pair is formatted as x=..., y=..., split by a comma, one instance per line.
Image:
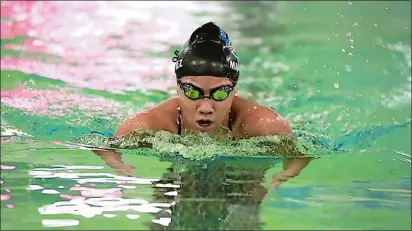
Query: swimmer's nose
x=205, y=107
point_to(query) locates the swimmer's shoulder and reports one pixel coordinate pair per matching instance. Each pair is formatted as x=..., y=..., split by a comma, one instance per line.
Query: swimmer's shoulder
x=161, y=117
x=254, y=119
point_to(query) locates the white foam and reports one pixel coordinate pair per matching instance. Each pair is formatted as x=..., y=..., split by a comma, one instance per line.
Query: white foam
x=50, y=191
x=167, y=185
x=132, y=216
x=34, y=187
x=172, y=193
x=60, y=222
x=145, y=208
x=165, y=221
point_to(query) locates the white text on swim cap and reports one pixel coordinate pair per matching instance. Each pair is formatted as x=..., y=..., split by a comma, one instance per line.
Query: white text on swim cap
x=234, y=65
x=178, y=64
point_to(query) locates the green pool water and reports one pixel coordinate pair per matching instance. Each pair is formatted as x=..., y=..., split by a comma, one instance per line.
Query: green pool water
x=339, y=72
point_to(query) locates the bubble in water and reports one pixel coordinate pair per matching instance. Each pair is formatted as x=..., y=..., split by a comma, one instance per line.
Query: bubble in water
x=343, y=50
x=375, y=25
x=350, y=3
x=352, y=47
x=349, y=34
x=350, y=54
x=336, y=85
x=355, y=24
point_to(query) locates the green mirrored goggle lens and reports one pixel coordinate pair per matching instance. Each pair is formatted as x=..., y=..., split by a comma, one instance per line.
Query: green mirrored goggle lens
x=220, y=95
x=217, y=94
x=192, y=93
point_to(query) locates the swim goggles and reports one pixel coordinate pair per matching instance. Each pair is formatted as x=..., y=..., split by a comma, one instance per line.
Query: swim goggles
x=194, y=93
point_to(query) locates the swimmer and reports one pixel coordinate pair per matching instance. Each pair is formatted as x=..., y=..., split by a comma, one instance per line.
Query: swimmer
x=207, y=75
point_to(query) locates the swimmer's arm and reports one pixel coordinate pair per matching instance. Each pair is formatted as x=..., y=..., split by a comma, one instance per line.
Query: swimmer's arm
x=267, y=122
x=141, y=120
x=113, y=159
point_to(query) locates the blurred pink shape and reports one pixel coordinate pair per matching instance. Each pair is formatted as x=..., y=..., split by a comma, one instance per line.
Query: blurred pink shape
x=56, y=103
x=97, y=192
x=5, y=197
x=71, y=197
x=85, y=43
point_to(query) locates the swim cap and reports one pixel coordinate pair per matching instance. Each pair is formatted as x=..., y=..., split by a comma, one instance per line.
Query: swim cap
x=208, y=52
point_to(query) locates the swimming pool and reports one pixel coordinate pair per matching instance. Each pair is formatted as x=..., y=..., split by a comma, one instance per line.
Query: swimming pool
x=339, y=72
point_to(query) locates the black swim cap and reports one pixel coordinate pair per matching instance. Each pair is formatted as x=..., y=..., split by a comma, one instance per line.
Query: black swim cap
x=208, y=52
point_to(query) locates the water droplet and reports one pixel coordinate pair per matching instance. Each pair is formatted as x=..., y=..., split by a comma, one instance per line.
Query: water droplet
x=336, y=85
x=375, y=25
x=355, y=24
x=386, y=8
x=350, y=54
x=349, y=34
x=367, y=61
x=304, y=9
x=343, y=50
x=352, y=47
x=350, y=3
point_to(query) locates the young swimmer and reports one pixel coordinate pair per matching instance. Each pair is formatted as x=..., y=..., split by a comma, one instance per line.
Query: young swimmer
x=207, y=73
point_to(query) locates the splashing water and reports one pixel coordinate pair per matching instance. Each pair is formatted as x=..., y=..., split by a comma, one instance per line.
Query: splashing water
x=72, y=71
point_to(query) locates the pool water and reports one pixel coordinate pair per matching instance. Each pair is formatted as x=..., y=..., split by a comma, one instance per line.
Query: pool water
x=339, y=72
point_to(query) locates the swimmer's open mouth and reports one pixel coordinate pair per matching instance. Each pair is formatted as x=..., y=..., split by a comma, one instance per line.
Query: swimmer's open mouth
x=204, y=123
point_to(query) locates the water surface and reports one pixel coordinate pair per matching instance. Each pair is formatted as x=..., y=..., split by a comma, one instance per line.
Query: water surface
x=339, y=72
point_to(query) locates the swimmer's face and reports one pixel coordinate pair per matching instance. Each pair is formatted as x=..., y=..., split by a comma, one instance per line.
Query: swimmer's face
x=205, y=114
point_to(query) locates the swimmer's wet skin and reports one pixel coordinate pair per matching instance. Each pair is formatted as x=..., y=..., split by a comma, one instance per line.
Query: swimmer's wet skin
x=207, y=74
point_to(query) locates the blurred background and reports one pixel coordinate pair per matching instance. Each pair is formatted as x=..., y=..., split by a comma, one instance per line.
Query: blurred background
x=339, y=71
